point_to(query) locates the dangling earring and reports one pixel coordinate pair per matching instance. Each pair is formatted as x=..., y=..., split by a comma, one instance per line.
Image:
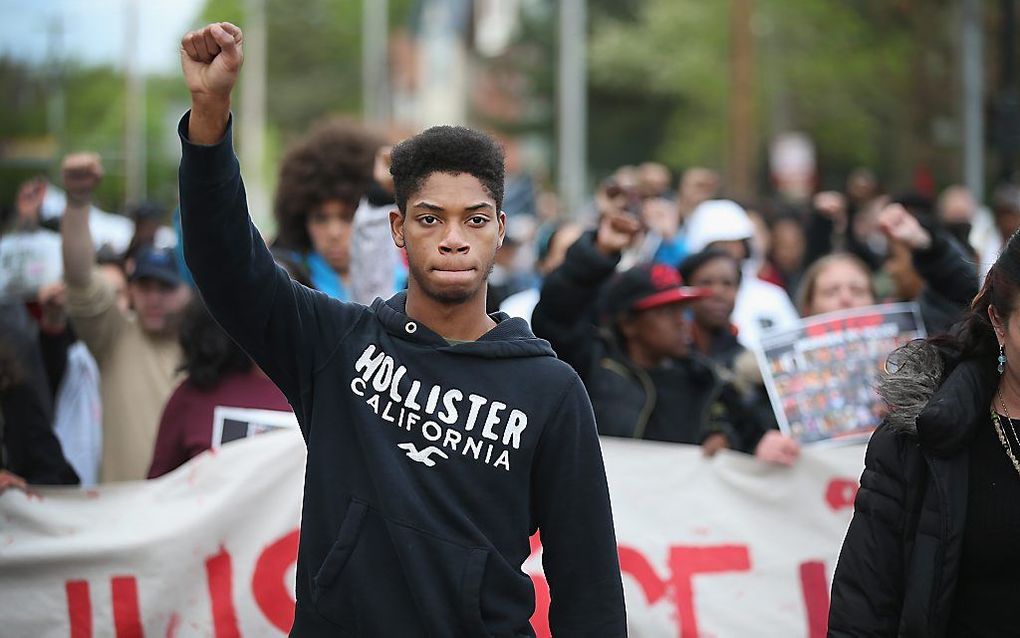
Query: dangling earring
x=1002, y=359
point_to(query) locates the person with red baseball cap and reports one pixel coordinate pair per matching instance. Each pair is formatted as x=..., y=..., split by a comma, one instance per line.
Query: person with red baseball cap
x=628, y=336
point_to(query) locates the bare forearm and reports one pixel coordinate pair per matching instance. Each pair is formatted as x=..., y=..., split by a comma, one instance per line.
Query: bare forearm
x=208, y=120
x=77, y=244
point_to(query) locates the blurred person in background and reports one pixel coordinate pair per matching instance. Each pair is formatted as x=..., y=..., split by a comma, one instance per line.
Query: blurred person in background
x=323, y=178
x=715, y=337
x=834, y=225
x=655, y=180
x=760, y=306
x=74, y=380
x=839, y=281
x=633, y=353
x=553, y=243
x=377, y=267
x=784, y=258
x=137, y=352
x=218, y=373
x=957, y=212
x=931, y=548
x=151, y=228
x=29, y=451
x=927, y=264
x=697, y=185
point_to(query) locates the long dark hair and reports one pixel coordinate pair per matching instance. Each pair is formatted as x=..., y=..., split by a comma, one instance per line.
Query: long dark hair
x=209, y=354
x=974, y=336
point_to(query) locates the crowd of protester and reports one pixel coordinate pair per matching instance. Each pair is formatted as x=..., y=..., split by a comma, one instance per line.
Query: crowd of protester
x=657, y=293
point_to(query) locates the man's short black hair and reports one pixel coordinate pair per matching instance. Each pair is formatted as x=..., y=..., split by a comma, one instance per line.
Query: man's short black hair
x=446, y=149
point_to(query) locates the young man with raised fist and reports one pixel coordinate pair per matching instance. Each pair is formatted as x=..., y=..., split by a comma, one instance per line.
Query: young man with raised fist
x=439, y=437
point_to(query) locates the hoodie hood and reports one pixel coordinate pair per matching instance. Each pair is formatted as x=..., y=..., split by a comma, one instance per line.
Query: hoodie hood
x=936, y=399
x=510, y=338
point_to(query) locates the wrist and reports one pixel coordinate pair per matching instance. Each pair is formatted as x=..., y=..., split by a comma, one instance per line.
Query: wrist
x=209, y=103
x=208, y=120
x=79, y=202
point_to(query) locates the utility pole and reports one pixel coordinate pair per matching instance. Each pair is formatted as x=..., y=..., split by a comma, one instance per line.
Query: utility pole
x=134, y=109
x=572, y=111
x=374, y=60
x=971, y=67
x=251, y=118
x=739, y=168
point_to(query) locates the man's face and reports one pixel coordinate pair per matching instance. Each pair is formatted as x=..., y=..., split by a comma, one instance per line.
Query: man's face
x=451, y=231
x=660, y=332
x=329, y=228
x=158, y=305
x=723, y=278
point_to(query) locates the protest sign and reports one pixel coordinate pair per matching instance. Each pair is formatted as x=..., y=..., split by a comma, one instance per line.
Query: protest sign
x=821, y=376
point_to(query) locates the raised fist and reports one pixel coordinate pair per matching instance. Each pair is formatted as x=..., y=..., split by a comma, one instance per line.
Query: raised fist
x=81, y=173
x=899, y=225
x=832, y=205
x=211, y=58
x=617, y=232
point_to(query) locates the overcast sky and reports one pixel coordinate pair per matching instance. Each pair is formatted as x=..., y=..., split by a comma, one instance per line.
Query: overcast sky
x=94, y=30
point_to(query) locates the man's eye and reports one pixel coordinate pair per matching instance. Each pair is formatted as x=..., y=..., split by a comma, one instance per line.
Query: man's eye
x=428, y=220
x=478, y=220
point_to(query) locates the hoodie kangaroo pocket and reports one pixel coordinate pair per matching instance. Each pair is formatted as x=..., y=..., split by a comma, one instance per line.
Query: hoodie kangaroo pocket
x=444, y=579
x=335, y=561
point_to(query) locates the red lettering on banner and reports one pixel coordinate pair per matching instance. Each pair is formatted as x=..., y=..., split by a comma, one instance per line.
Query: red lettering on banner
x=840, y=493
x=685, y=562
x=127, y=620
x=634, y=563
x=816, y=597
x=267, y=583
x=540, y=619
x=79, y=608
x=219, y=576
x=171, y=628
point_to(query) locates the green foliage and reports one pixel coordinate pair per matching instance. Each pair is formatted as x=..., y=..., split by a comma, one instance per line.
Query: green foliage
x=843, y=72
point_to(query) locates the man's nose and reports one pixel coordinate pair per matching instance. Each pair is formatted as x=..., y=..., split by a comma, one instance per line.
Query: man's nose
x=454, y=240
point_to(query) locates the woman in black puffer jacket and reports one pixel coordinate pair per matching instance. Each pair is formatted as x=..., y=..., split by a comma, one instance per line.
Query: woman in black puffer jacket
x=932, y=549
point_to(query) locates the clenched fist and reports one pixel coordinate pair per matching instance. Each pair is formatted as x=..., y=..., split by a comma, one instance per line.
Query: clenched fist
x=899, y=225
x=211, y=59
x=81, y=173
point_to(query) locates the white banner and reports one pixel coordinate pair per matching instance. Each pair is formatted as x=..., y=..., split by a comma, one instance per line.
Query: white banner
x=709, y=547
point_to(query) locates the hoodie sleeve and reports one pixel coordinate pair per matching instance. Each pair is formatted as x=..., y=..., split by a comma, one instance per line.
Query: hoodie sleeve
x=867, y=586
x=574, y=516
x=566, y=312
x=947, y=271
x=287, y=329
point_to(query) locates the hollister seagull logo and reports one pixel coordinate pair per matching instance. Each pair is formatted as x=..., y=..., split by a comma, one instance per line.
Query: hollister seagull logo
x=424, y=456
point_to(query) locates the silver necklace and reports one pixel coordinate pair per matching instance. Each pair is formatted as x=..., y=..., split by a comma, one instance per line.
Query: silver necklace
x=1006, y=444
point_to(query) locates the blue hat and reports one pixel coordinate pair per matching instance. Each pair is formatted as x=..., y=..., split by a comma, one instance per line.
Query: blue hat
x=156, y=263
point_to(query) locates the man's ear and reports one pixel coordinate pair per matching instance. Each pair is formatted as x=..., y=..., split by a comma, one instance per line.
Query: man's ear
x=501, y=218
x=397, y=228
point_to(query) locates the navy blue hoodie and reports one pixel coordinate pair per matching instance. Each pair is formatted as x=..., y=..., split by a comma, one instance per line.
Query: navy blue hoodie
x=429, y=464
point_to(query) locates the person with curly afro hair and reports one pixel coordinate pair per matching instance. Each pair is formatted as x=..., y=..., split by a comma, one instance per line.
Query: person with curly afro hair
x=323, y=177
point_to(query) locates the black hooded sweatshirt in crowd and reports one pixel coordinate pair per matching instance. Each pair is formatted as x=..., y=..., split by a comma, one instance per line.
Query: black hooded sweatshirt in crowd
x=429, y=464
